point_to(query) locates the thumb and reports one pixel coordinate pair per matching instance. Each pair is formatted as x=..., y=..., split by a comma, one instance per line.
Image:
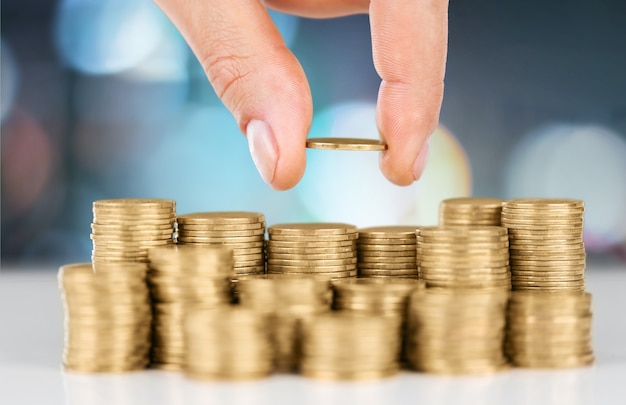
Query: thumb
x=258, y=79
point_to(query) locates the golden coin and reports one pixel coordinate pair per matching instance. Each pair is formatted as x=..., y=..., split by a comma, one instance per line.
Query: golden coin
x=233, y=245
x=353, y=144
x=216, y=239
x=219, y=234
x=382, y=254
x=316, y=275
x=310, y=268
x=220, y=227
x=373, y=249
x=399, y=231
x=134, y=202
x=543, y=203
x=311, y=229
x=306, y=256
x=222, y=218
x=454, y=232
x=391, y=260
x=310, y=244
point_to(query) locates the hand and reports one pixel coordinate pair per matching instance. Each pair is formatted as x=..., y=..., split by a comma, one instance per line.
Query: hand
x=263, y=85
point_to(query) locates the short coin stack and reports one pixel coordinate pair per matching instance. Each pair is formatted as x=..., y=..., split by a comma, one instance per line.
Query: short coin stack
x=456, y=331
x=464, y=257
x=107, y=317
x=319, y=250
x=244, y=232
x=344, y=346
x=546, y=244
x=470, y=211
x=549, y=330
x=124, y=229
x=287, y=301
x=387, y=251
x=227, y=343
x=375, y=296
x=184, y=277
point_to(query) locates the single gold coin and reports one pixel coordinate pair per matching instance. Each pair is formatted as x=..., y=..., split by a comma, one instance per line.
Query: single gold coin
x=309, y=244
x=221, y=227
x=220, y=234
x=226, y=218
x=544, y=203
x=222, y=240
x=354, y=144
x=399, y=231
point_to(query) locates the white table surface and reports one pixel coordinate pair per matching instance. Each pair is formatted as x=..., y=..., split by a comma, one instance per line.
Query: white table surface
x=31, y=341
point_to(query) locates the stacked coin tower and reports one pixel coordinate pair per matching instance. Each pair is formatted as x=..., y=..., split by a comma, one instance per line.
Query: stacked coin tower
x=319, y=250
x=124, y=229
x=470, y=211
x=287, y=301
x=227, y=343
x=107, y=317
x=456, y=331
x=244, y=232
x=546, y=244
x=387, y=251
x=345, y=346
x=464, y=257
x=549, y=330
x=184, y=277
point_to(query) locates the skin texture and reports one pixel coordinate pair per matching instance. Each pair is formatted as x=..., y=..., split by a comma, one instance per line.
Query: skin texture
x=264, y=87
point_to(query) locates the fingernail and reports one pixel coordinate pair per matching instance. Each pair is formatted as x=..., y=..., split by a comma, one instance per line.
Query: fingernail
x=420, y=161
x=263, y=149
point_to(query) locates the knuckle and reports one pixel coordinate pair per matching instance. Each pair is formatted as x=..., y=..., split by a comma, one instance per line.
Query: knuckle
x=226, y=72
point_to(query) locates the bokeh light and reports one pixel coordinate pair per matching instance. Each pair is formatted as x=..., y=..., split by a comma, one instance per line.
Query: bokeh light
x=349, y=187
x=587, y=162
x=203, y=162
x=9, y=78
x=105, y=37
x=447, y=175
x=28, y=159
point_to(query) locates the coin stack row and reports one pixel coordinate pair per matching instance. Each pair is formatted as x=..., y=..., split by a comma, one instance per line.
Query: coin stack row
x=319, y=250
x=182, y=277
x=124, y=229
x=243, y=232
x=387, y=251
x=107, y=317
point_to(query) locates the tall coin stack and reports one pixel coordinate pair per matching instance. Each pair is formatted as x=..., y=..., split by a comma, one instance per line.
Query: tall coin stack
x=456, y=331
x=244, y=232
x=227, y=343
x=546, y=244
x=107, y=317
x=387, y=251
x=345, y=346
x=184, y=277
x=319, y=250
x=287, y=301
x=549, y=330
x=470, y=211
x=124, y=229
x=464, y=257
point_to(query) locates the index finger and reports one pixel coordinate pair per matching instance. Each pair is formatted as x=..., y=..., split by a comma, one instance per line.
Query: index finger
x=409, y=44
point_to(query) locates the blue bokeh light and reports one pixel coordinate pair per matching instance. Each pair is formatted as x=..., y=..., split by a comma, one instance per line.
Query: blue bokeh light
x=10, y=79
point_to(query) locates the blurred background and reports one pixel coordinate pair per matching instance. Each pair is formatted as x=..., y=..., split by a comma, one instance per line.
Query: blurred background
x=103, y=99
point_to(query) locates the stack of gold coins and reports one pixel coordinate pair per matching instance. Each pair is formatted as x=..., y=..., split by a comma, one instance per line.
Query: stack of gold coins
x=345, y=346
x=180, y=278
x=320, y=250
x=375, y=296
x=549, y=330
x=107, y=317
x=387, y=251
x=287, y=301
x=546, y=244
x=244, y=232
x=227, y=343
x=452, y=331
x=123, y=230
x=464, y=257
x=470, y=211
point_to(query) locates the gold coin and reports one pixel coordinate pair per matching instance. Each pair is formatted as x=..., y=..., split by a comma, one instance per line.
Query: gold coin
x=455, y=232
x=134, y=202
x=543, y=203
x=316, y=275
x=386, y=272
x=399, y=231
x=311, y=229
x=387, y=265
x=222, y=218
x=219, y=234
x=396, y=259
x=309, y=244
x=221, y=240
x=233, y=245
x=220, y=227
x=306, y=256
x=353, y=144
x=311, y=268
x=382, y=254
x=273, y=249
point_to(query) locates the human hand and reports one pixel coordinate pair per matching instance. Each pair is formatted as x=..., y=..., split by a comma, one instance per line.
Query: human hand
x=263, y=85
